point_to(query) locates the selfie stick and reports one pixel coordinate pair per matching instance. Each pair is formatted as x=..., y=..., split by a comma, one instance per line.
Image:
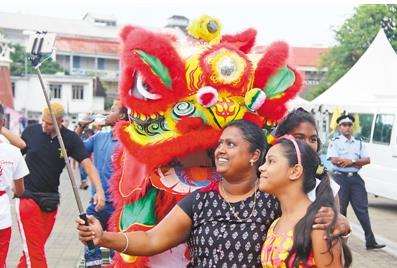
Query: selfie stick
x=35, y=58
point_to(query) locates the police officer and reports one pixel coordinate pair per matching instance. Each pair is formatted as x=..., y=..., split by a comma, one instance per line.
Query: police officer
x=347, y=156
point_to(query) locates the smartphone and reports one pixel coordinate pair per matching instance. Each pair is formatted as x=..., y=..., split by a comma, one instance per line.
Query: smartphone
x=40, y=43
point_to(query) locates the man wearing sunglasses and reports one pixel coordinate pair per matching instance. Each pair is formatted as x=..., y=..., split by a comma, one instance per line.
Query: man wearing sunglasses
x=348, y=155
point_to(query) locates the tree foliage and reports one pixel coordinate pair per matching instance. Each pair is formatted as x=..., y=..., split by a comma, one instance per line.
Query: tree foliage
x=21, y=64
x=352, y=40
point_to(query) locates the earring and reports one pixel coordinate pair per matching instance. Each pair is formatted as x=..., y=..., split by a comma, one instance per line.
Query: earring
x=252, y=162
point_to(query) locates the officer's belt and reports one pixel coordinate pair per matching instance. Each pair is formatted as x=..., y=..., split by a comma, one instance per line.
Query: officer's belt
x=348, y=174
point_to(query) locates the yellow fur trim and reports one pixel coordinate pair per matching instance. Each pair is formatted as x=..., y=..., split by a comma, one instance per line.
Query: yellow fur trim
x=199, y=29
x=128, y=258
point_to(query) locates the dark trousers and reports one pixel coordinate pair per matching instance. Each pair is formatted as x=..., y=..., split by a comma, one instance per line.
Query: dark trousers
x=94, y=257
x=352, y=189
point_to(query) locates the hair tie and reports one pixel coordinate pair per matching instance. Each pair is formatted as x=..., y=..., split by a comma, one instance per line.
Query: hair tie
x=320, y=170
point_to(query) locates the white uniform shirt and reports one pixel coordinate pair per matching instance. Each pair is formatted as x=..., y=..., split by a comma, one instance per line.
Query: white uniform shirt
x=334, y=186
x=12, y=167
x=348, y=149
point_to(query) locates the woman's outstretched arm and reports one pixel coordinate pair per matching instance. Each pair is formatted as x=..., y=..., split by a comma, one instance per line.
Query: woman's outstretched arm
x=171, y=231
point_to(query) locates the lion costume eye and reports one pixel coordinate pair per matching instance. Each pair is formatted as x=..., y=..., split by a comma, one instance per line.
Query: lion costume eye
x=141, y=90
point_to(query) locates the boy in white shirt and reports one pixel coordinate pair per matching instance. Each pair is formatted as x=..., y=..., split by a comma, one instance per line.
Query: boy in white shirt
x=12, y=170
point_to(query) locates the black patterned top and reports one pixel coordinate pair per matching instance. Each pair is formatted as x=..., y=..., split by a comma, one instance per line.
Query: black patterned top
x=218, y=238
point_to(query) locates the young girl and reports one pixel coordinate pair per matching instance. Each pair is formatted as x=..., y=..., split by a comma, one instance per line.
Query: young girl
x=289, y=174
x=301, y=125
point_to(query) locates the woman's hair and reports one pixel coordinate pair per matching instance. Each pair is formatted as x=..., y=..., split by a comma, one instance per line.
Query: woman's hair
x=302, y=245
x=293, y=120
x=253, y=134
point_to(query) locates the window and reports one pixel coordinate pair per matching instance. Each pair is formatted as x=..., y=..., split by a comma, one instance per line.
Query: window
x=101, y=64
x=365, y=122
x=383, y=128
x=55, y=91
x=76, y=61
x=77, y=92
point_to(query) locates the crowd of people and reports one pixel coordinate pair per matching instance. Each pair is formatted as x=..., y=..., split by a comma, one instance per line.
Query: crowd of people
x=272, y=208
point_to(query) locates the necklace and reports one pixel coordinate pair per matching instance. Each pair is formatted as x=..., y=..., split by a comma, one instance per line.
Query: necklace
x=232, y=208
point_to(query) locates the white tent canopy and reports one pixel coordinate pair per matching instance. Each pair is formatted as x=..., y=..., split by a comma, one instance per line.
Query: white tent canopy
x=373, y=79
x=298, y=102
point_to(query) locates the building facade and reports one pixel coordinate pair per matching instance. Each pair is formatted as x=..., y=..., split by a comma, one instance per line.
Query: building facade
x=76, y=93
x=86, y=49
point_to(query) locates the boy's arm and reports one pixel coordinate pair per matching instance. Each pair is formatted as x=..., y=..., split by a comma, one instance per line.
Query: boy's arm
x=12, y=138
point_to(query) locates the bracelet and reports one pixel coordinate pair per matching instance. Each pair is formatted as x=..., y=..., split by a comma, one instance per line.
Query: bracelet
x=348, y=233
x=126, y=243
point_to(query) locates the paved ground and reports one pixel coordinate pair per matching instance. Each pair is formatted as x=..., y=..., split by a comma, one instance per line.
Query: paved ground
x=64, y=249
x=383, y=215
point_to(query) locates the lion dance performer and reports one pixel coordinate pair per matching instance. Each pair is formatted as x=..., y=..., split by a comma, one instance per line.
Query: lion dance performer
x=181, y=91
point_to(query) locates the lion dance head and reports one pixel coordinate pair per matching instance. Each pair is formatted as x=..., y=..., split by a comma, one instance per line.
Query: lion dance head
x=181, y=91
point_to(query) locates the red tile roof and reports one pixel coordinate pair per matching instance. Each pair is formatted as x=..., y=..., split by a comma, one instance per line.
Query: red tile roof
x=86, y=45
x=301, y=56
x=306, y=56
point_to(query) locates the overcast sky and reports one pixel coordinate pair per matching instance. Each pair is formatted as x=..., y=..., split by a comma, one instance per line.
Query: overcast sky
x=305, y=24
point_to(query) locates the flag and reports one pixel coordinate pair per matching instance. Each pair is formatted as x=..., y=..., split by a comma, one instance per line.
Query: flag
x=356, y=124
x=333, y=125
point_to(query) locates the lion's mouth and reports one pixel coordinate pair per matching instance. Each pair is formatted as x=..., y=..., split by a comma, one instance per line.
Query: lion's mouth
x=185, y=175
x=180, y=177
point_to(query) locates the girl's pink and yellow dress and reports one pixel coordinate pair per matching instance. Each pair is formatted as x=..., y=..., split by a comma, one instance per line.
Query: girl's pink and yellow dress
x=277, y=248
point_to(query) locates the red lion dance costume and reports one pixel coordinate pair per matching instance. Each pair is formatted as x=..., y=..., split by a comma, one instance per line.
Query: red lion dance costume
x=181, y=94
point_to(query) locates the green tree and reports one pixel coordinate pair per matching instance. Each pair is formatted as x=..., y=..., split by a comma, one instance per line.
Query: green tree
x=352, y=40
x=21, y=64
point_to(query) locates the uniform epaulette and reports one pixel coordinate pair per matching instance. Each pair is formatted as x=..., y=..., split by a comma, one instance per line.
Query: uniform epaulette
x=335, y=138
